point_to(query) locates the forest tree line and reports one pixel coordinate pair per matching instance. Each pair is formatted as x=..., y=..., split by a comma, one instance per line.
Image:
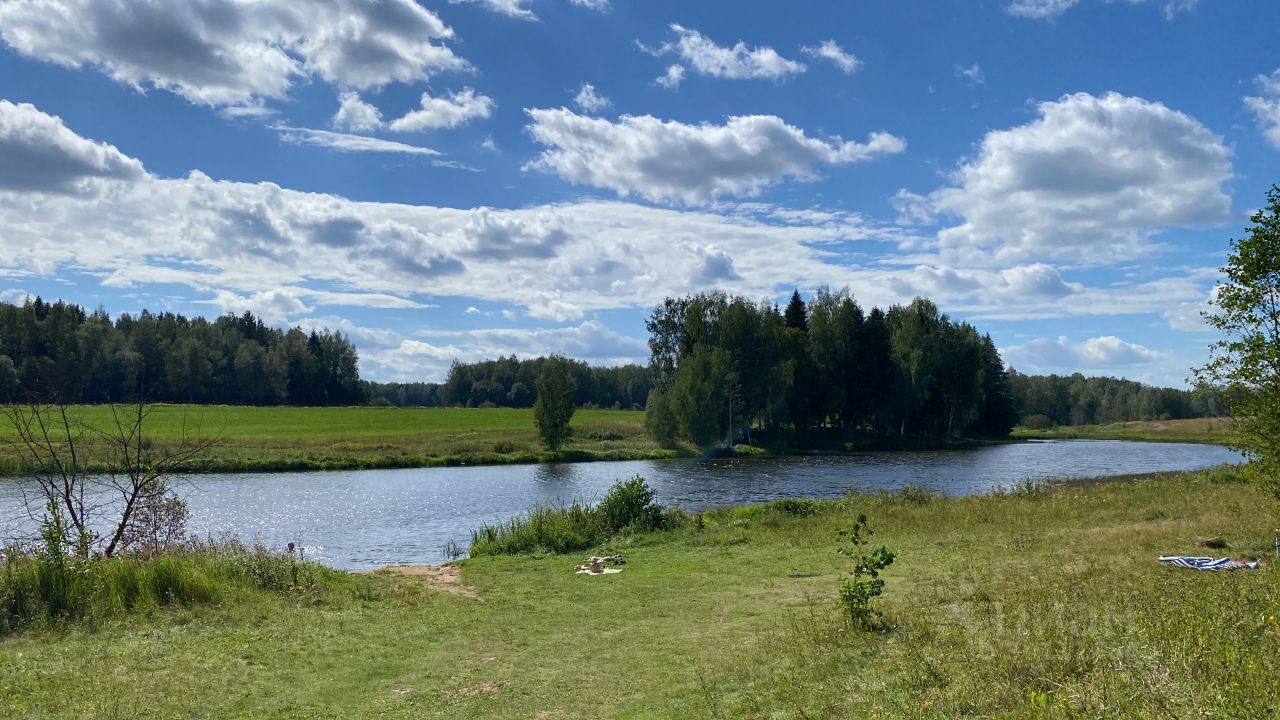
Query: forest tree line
x=1079, y=400
x=839, y=380
x=58, y=350
x=512, y=382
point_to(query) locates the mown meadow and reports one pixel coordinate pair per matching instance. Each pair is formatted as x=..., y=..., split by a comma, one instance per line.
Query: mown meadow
x=319, y=438
x=1027, y=604
x=1216, y=430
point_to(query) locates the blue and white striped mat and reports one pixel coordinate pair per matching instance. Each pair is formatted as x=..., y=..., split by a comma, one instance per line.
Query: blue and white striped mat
x=1207, y=563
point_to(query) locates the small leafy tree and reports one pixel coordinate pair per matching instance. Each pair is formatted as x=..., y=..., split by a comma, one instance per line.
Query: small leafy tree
x=864, y=583
x=556, y=386
x=1246, y=361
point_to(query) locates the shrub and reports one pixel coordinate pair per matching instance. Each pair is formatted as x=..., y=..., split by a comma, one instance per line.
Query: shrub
x=864, y=583
x=578, y=526
x=1038, y=422
x=629, y=504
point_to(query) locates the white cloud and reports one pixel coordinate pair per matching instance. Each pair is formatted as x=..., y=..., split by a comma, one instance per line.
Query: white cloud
x=14, y=296
x=245, y=244
x=517, y=8
x=344, y=142
x=221, y=53
x=830, y=50
x=42, y=155
x=912, y=209
x=274, y=307
x=356, y=114
x=1050, y=9
x=1089, y=180
x=737, y=63
x=672, y=77
x=1266, y=107
x=510, y=8
x=1098, y=355
x=972, y=74
x=692, y=164
x=1040, y=9
x=588, y=100
x=445, y=112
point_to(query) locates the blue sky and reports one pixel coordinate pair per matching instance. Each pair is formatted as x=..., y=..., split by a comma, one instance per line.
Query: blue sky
x=459, y=179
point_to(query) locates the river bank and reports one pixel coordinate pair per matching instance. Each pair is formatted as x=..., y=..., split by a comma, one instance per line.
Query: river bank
x=1022, y=604
x=298, y=439
x=1209, y=431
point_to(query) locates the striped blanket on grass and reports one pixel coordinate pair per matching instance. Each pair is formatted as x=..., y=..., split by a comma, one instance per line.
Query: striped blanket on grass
x=1207, y=563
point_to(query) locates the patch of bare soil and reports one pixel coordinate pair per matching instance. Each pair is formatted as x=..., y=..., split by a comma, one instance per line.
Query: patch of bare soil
x=441, y=578
x=487, y=688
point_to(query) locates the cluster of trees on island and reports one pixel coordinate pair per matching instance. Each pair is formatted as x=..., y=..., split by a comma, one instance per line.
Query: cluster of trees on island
x=726, y=368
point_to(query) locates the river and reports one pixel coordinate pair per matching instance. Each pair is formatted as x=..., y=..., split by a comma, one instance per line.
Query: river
x=368, y=518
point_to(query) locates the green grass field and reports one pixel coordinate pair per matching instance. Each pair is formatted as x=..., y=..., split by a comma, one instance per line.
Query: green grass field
x=1030, y=605
x=293, y=438
x=1214, y=431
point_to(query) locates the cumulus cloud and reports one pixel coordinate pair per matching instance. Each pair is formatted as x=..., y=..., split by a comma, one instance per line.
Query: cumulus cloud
x=588, y=100
x=445, y=112
x=1266, y=107
x=344, y=142
x=242, y=244
x=1089, y=180
x=739, y=62
x=1097, y=355
x=356, y=114
x=14, y=296
x=226, y=53
x=691, y=164
x=274, y=307
x=830, y=50
x=43, y=155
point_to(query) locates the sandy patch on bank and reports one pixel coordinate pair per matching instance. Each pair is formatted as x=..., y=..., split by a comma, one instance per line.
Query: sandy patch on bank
x=441, y=578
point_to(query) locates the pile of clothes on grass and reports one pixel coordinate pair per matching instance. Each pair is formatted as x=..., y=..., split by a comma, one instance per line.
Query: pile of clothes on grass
x=1213, y=564
x=595, y=565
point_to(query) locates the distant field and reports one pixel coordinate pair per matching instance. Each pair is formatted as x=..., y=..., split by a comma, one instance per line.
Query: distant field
x=293, y=438
x=1215, y=431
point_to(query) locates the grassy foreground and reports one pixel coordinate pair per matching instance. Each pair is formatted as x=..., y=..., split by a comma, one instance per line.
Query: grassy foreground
x=1025, y=605
x=333, y=438
x=1212, y=431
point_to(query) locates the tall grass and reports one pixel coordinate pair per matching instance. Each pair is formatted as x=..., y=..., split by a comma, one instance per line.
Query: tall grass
x=577, y=526
x=46, y=589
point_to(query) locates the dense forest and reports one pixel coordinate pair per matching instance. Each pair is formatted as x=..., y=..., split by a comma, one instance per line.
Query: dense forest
x=1078, y=400
x=820, y=368
x=511, y=382
x=726, y=368
x=58, y=349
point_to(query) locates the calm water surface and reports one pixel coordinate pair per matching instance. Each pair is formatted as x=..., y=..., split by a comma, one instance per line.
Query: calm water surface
x=368, y=518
